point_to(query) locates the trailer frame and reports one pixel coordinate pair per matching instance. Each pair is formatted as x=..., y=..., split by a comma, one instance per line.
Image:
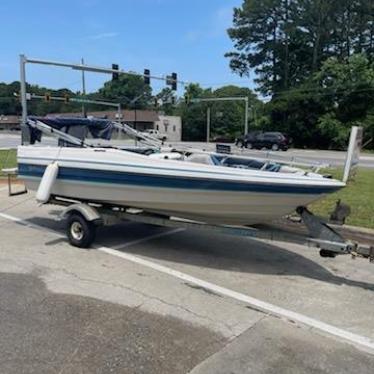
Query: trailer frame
x=92, y=215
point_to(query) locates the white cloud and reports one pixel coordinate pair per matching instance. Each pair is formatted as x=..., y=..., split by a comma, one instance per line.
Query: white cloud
x=224, y=16
x=193, y=35
x=104, y=35
x=219, y=21
x=222, y=20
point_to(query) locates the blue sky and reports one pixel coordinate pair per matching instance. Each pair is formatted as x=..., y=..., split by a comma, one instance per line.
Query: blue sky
x=188, y=37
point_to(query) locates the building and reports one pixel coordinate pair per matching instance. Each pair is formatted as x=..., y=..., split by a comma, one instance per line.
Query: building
x=171, y=126
x=141, y=120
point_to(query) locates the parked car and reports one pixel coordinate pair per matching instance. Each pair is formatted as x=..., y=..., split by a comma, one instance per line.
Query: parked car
x=223, y=139
x=259, y=140
x=156, y=134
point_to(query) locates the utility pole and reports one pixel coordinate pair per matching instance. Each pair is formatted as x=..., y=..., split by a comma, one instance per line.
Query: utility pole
x=246, y=117
x=84, y=112
x=119, y=111
x=239, y=98
x=25, y=132
x=208, y=124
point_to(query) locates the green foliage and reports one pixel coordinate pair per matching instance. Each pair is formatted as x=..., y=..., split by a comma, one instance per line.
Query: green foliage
x=130, y=90
x=285, y=41
x=10, y=104
x=358, y=194
x=314, y=58
x=227, y=117
x=168, y=98
x=125, y=90
x=8, y=159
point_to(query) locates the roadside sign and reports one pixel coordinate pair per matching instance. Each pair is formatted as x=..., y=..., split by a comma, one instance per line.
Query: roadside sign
x=223, y=148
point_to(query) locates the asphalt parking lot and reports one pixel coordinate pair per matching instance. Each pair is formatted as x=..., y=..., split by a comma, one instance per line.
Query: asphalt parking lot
x=148, y=299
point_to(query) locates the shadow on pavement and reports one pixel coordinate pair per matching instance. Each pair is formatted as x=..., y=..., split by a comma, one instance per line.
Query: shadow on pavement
x=239, y=254
x=44, y=332
x=215, y=251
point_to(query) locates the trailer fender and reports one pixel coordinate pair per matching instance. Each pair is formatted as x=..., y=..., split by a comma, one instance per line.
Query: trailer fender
x=88, y=212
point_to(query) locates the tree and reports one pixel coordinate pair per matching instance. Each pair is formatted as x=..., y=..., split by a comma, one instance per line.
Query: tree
x=9, y=104
x=350, y=86
x=168, y=98
x=288, y=44
x=321, y=112
x=127, y=89
x=285, y=41
x=227, y=118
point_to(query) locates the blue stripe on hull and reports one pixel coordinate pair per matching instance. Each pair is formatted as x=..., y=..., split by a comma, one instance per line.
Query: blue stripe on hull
x=167, y=181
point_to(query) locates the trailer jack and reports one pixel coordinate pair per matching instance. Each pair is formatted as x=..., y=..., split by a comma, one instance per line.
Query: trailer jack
x=330, y=242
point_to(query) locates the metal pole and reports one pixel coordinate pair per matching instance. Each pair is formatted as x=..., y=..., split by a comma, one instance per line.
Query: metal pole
x=208, y=124
x=119, y=119
x=83, y=90
x=246, y=117
x=135, y=119
x=119, y=111
x=25, y=132
x=95, y=69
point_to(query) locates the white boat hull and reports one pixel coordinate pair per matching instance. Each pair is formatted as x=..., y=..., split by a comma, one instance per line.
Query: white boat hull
x=226, y=197
x=212, y=207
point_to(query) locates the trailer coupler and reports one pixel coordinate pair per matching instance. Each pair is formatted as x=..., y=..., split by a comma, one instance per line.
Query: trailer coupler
x=330, y=242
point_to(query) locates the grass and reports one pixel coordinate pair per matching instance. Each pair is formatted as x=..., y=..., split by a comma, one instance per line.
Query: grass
x=371, y=151
x=359, y=195
x=8, y=159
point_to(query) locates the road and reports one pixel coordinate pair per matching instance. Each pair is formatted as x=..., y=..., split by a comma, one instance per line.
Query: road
x=332, y=158
x=148, y=299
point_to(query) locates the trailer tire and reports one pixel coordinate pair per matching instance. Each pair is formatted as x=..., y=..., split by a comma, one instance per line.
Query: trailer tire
x=80, y=232
x=327, y=253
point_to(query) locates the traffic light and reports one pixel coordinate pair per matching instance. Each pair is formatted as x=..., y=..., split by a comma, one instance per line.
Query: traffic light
x=115, y=75
x=187, y=98
x=47, y=97
x=174, y=81
x=147, y=78
x=66, y=98
x=171, y=80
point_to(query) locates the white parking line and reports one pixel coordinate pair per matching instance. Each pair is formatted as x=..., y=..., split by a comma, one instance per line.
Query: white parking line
x=274, y=310
x=29, y=224
x=3, y=188
x=146, y=239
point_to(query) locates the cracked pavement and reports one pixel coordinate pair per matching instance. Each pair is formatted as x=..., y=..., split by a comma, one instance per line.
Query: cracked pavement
x=68, y=310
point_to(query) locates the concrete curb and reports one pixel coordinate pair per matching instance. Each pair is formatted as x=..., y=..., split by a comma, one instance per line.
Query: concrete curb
x=356, y=233
x=356, y=229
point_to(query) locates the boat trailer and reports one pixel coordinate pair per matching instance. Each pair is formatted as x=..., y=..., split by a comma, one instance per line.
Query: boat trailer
x=83, y=218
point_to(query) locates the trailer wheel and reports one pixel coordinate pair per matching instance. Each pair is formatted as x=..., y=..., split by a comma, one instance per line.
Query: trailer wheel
x=80, y=232
x=327, y=253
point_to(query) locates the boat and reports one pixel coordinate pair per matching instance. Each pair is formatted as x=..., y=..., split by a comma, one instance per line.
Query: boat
x=207, y=193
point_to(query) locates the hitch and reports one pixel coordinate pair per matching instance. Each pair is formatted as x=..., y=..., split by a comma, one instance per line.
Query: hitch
x=330, y=242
